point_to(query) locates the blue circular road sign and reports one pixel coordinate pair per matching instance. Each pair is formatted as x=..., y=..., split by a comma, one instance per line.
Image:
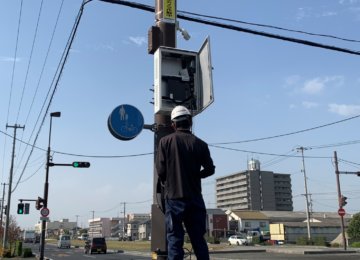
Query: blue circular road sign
x=125, y=122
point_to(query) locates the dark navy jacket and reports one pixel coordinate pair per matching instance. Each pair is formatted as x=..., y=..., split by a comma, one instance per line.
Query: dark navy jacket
x=182, y=161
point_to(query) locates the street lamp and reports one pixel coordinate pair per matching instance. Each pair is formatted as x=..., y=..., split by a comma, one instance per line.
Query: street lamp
x=46, y=187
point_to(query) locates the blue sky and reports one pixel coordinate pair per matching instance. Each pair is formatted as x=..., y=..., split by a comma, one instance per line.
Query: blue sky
x=263, y=88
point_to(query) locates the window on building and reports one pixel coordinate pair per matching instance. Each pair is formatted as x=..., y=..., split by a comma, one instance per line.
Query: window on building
x=247, y=224
x=262, y=224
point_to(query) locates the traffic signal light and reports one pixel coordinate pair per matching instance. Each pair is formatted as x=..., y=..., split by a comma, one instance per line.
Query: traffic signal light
x=26, y=208
x=39, y=203
x=20, y=209
x=5, y=209
x=81, y=164
x=343, y=201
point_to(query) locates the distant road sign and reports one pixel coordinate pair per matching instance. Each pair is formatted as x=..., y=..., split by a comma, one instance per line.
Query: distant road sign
x=341, y=212
x=44, y=212
x=125, y=122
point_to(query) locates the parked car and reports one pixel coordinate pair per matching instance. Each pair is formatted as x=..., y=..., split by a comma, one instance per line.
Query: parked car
x=262, y=237
x=98, y=245
x=237, y=240
x=37, y=239
x=84, y=236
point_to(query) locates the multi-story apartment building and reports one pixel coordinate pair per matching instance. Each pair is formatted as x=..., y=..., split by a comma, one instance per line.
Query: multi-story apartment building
x=254, y=190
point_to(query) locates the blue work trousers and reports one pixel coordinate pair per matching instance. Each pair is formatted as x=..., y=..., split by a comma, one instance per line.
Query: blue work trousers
x=192, y=213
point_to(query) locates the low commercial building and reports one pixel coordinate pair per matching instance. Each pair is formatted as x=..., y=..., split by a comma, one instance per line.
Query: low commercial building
x=144, y=230
x=287, y=226
x=132, y=231
x=216, y=223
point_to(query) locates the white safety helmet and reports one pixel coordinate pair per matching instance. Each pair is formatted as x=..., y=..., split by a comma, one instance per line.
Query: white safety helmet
x=179, y=113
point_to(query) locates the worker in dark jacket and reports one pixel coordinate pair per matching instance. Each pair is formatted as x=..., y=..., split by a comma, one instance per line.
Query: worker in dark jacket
x=182, y=161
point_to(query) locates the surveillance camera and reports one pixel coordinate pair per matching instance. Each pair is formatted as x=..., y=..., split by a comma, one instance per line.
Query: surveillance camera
x=185, y=34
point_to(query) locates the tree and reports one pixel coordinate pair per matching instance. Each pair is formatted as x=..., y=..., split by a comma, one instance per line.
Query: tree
x=14, y=231
x=353, y=229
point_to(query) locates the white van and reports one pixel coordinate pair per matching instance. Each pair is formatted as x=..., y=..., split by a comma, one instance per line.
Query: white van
x=64, y=241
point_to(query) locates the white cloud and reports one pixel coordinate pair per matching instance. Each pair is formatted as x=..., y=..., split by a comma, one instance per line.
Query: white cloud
x=302, y=12
x=348, y=2
x=292, y=80
x=309, y=105
x=313, y=86
x=108, y=47
x=139, y=41
x=9, y=59
x=329, y=13
x=317, y=85
x=344, y=110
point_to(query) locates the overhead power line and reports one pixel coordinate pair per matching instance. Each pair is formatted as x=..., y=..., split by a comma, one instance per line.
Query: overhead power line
x=55, y=82
x=37, y=87
x=270, y=26
x=291, y=133
x=30, y=59
x=237, y=28
x=14, y=63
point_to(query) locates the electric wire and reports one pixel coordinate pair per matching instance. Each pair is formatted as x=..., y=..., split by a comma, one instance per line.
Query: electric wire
x=78, y=155
x=12, y=80
x=152, y=9
x=26, y=77
x=277, y=160
x=269, y=26
x=15, y=59
x=118, y=205
x=335, y=145
x=30, y=59
x=38, y=84
x=45, y=60
x=237, y=28
x=55, y=83
x=30, y=176
x=349, y=162
x=270, y=154
x=287, y=134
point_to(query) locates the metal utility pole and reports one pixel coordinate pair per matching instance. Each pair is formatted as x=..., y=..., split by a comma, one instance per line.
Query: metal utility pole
x=337, y=173
x=76, y=229
x=123, y=229
x=10, y=183
x=306, y=193
x=162, y=34
x=46, y=187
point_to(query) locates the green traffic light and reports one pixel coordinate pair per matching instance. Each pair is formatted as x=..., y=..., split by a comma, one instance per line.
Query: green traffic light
x=20, y=209
x=81, y=164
